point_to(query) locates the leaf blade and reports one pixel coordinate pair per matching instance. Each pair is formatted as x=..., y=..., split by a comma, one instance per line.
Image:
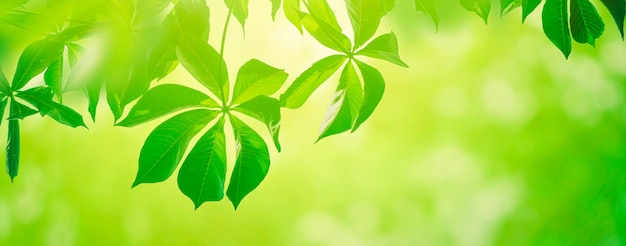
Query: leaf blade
x=586, y=24
x=344, y=107
x=257, y=78
x=365, y=16
x=325, y=34
x=302, y=88
x=480, y=7
x=204, y=63
x=617, y=8
x=384, y=47
x=266, y=110
x=554, y=18
x=373, y=90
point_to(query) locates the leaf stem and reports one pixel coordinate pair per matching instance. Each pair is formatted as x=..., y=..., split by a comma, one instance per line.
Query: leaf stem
x=222, y=45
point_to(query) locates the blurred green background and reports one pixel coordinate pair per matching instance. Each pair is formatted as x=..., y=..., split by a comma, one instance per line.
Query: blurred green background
x=490, y=138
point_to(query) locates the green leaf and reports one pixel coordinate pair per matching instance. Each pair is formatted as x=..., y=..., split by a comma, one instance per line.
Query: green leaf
x=13, y=148
x=20, y=111
x=618, y=11
x=302, y=88
x=74, y=52
x=257, y=78
x=165, y=99
x=292, y=10
x=480, y=7
x=586, y=23
x=126, y=88
x=266, y=110
x=41, y=98
x=166, y=145
x=428, y=7
x=3, y=105
x=5, y=88
x=275, y=7
x=373, y=89
x=387, y=5
x=74, y=33
x=322, y=12
x=193, y=18
x=34, y=60
x=162, y=58
x=239, y=9
x=252, y=165
x=53, y=77
x=507, y=5
x=384, y=47
x=345, y=105
x=326, y=34
x=204, y=63
x=554, y=17
x=93, y=94
x=528, y=6
x=365, y=17
x=202, y=175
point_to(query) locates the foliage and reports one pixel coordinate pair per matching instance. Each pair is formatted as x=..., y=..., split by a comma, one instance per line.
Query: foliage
x=148, y=39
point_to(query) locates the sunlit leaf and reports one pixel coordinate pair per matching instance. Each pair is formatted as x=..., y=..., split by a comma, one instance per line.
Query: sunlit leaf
x=165, y=146
x=20, y=111
x=326, y=34
x=74, y=33
x=74, y=52
x=507, y=5
x=252, y=165
x=257, y=78
x=5, y=88
x=93, y=93
x=34, y=60
x=323, y=13
x=203, y=173
x=266, y=110
x=53, y=77
x=554, y=17
x=165, y=99
x=586, y=23
x=618, y=11
x=302, y=88
x=480, y=7
x=384, y=47
x=13, y=148
x=41, y=98
x=204, y=63
x=292, y=12
x=528, y=6
x=345, y=105
x=387, y=5
x=275, y=7
x=373, y=90
x=428, y=7
x=193, y=18
x=239, y=9
x=365, y=17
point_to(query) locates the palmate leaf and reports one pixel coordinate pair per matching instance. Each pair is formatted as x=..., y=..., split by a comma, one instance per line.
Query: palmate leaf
x=252, y=165
x=480, y=7
x=292, y=12
x=322, y=12
x=257, y=78
x=202, y=175
x=266, y=110
x=345, y=105
x=384, y=47
x=302, y=88
x=41, y=98
x=373, y=90
x=617, y=8
x=528, y=6
x=428, y=7
x=365, y=16
x=554, y=18
x=34, y=60
x=204, y=63
x=326, y=34
x=165, y=99
x=239, y=9
x=586, y=23
x=165, y=146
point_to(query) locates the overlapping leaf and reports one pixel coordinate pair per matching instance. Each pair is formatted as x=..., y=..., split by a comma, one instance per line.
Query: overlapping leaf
x=365, y=16
x=428, y=7
x=585, y=21
x=480, y=7
x=555, y=25
x=205, y=64
x=302, y=88
x=257, y=78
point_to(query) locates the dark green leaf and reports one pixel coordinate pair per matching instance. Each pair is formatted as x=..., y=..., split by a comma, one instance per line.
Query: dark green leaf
x=193, y=18
x=275, y=7
x=323, y=13
x=618, y=11
x=480, y=7
x=373, y=89
x=239, y=9
x=554, y=17
x=20, y=111
x=5, y=88
x=302, y=88
x=507, y=5
x=257, y=78
x=384, y=47
x=53, y=77
x=344, y=107
x=266, y=110
x=74, y=52
x=202, y=175
x=204, y=63
x=93, y=93
x=13, y=148
x=253, y=162
x=41, y=98
x=585, y=22
x=165, y=99
x=34, y=60
x=326, y=34
x=428, y=7
x=292, y=10
x=528, y=6
x=365, y=17
x=166, y=145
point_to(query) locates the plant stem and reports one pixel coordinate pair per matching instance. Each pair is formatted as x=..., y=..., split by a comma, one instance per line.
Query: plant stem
x=222, y=45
